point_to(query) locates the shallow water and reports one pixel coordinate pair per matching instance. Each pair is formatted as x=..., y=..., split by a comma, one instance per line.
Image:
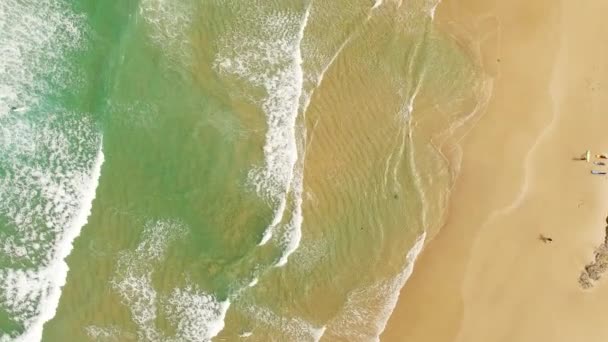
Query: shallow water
x=261, y=171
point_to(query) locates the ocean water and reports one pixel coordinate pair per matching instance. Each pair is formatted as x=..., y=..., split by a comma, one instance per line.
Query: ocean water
x=221, y=169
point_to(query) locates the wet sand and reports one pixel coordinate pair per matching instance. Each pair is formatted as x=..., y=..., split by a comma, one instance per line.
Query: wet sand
x=487, y=276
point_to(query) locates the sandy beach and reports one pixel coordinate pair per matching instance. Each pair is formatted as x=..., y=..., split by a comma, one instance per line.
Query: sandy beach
x=487, y=276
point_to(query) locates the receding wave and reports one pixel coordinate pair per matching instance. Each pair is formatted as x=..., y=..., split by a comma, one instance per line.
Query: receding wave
x=50, y=161
x=367, y=310
x=44, y=208
x=288, y=328
x=270, y=165
x=273, y=62
x=195, y=314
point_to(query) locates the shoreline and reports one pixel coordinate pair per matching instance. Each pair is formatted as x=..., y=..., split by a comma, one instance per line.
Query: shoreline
x=486, y=275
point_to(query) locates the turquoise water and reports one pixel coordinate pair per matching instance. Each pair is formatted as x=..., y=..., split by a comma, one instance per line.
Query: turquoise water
x=195, y=170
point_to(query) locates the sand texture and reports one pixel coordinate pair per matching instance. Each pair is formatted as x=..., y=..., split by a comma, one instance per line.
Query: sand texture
x=489, y=275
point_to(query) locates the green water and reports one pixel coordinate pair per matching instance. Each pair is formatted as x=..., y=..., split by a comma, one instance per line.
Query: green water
x=264, y=171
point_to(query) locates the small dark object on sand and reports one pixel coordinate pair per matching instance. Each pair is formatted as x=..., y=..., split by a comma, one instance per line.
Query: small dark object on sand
x=586, y=156
x=545, y=239
x=599, y=163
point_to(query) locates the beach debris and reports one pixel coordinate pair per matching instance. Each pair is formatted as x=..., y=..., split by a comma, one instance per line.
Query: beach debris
x=602, y=156
x=595, y=172
x=545, y=239
x=599, y=163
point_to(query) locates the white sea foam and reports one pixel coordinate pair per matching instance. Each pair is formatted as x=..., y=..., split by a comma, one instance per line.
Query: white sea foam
x=133, y=280
x=318, y=333
x=102, y=334
x=32, y=295
x=48, y=157
x=196, y=315
x=276, y=220
x=433, y=7
x=377, y=4
x=262, y=62
x=169, y=22
x=400, y=281
x=35, y=35
x=293, y=233
x=367, y=310
x=309, y=254
x=273, y=62
x=290, y=328
x=136, y=290
x=432, y=12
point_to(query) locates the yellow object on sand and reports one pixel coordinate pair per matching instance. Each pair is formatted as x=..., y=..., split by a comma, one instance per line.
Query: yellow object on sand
x=588, y=156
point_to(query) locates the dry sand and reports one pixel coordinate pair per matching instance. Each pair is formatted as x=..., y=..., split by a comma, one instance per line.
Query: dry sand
x=487, y=276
